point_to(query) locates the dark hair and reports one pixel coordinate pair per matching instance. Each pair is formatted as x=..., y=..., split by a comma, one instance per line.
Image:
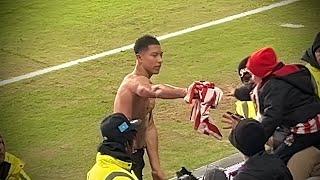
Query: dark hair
x=143, y=42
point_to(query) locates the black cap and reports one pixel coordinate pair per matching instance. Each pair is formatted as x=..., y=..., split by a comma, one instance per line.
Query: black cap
x=116, y=127
x=244, y=75
x=248, y=137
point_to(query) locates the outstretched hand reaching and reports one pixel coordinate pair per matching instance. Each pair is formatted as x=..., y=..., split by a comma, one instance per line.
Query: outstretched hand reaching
x=231, y=120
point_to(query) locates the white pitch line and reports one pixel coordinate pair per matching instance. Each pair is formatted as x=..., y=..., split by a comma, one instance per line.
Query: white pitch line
x=124, y=48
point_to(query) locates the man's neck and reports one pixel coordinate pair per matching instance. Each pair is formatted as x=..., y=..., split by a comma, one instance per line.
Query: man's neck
x=139, y=71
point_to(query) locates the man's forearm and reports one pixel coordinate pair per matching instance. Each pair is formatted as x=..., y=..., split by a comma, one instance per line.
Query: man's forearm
x=152, y=147
x=166, y=91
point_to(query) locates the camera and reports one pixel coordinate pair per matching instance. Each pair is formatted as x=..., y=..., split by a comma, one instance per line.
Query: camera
x=184, y=174
x=187, y=177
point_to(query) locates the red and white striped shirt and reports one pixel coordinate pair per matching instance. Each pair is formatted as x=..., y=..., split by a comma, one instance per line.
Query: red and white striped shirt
x=203, y=96
x=311, y=126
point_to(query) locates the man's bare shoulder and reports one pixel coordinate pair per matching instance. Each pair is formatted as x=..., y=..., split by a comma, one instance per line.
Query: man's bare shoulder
x=132, y=83
x=133, y=80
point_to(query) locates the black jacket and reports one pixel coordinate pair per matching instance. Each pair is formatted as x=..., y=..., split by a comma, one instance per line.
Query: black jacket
x=287, y=100
x=263, y=166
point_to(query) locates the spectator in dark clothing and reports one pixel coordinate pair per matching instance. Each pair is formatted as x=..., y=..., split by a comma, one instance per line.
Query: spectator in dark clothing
x=244, y=104
x=306, y=163
x=285, y=97
x=242, y=93
x=246, y=107
x=248, y=137
x=312, y=57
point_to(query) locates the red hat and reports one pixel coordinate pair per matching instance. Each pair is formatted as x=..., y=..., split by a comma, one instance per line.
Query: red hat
x=262, y=62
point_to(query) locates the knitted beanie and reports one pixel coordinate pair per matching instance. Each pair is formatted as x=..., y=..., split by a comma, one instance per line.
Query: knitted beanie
x=262, y=62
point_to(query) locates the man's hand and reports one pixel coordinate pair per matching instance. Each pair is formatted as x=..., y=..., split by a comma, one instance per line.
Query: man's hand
x=231, y=120
x=158, y=175
x=192, y=92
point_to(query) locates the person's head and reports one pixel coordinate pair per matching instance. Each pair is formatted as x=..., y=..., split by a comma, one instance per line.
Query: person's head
x=2, y=149
x=248, y=137
x=312, y=54
x=316, y=47
x=261, y=63
x=244, y=75
x=116, y=128
x=148, y=54
x=317, y=54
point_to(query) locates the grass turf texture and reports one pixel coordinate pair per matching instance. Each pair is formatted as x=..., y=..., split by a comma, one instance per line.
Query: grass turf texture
x=52, y=121
x=37, y=34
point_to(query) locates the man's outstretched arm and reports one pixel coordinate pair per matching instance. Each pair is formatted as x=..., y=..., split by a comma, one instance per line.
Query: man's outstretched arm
x=144, y=88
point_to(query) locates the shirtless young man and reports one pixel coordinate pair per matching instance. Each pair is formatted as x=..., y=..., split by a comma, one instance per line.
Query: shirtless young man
x=136, y=99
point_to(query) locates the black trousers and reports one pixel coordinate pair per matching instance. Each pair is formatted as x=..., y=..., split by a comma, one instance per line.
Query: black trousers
x=138, y=163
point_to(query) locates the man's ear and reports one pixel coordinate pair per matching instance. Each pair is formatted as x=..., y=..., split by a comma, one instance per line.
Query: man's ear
x=138, y=57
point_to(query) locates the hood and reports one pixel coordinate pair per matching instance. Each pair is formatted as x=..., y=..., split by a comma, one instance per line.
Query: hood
x=309, y=55
x=248, y=137
x=115, y=150
x=104, y=160
x=300, y=78
x=310, y=58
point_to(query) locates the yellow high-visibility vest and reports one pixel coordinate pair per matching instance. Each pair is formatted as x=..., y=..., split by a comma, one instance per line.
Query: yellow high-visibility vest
x=16, y=171
x=316, y=77
x=246, y=109
x=110, y=168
